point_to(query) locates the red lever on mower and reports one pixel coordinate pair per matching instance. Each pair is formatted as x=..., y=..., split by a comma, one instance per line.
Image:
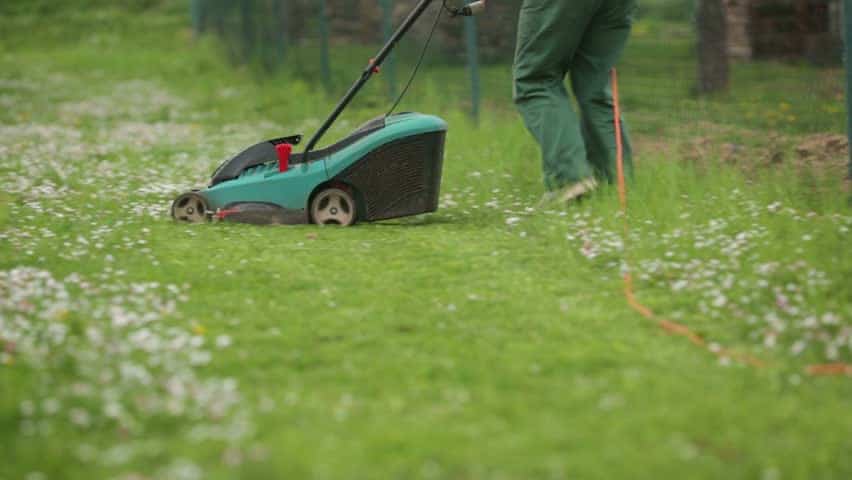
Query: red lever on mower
x=283, y=150
x=373, y=65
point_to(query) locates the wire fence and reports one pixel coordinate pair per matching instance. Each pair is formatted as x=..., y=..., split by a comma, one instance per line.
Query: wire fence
x=779, y=61
x=262, y=32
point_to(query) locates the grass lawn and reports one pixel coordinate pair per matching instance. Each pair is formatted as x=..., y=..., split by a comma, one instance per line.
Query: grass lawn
x=487, y=340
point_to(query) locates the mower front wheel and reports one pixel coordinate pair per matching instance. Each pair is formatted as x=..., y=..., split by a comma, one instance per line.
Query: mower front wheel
x=334, y=206
x=191, y=208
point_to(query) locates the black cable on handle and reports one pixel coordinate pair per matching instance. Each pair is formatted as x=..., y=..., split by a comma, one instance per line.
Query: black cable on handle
x=420, y=60
x=369, y=71
x=373, y=67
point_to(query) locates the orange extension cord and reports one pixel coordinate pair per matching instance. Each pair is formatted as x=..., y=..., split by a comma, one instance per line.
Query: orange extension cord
x=669, y=326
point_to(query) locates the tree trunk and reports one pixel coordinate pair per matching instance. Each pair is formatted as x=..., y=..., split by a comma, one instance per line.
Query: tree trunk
x=712, y=46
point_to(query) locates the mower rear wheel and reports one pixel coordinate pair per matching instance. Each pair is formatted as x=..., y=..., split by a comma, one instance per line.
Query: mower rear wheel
x=191, y=208
x=334, y=206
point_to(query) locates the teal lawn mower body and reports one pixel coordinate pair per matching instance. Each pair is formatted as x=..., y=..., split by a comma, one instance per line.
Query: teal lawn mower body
x=390, y=167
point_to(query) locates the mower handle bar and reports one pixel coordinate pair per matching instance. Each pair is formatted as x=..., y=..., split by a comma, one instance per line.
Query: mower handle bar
x=375, y=63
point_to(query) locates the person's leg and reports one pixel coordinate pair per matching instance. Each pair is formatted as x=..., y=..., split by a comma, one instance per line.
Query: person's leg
x=549, y=32
x=598, y=52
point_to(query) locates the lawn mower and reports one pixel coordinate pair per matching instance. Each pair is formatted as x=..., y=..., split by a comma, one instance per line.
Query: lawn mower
x=389, y=167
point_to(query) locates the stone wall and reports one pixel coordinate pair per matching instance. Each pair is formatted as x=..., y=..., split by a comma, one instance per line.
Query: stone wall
x=784, y=29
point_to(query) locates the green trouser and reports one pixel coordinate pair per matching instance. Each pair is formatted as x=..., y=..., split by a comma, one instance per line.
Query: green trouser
x=583, y=38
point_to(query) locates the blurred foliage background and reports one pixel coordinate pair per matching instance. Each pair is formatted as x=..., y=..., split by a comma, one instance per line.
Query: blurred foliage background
x=109, y=108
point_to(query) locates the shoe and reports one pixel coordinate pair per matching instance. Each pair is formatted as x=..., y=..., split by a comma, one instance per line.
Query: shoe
x=548, y=199
x=576, y=190
x=568, y=193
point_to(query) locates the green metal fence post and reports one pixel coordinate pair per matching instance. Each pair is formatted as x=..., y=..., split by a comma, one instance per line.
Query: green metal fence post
x=325, y=62
x=282, y=30
x=196, y=11
x=387, y=31
x=247, y=26
x=847, y=34
x=470, y=31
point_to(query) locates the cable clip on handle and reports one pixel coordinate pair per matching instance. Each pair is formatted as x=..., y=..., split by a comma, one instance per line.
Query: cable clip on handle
x=470, y=10
x=373, y=67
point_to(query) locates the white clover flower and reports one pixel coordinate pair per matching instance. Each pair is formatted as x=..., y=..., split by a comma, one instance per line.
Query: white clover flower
x=27, y=408
x=80, y=417
x=113, y=410
x=199, y=358
x=223, y=341
x=50, y=406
